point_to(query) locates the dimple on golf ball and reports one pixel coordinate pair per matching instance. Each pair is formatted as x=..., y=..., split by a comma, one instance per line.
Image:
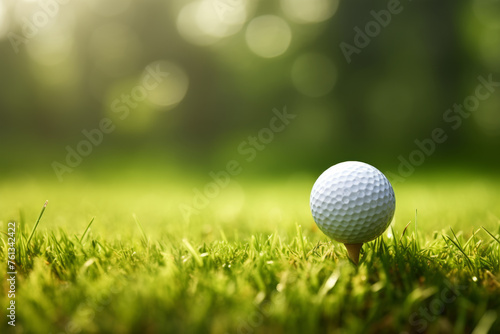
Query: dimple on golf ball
x=352, y=202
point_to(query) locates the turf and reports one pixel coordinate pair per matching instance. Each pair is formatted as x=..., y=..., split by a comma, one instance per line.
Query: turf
x=112, y=258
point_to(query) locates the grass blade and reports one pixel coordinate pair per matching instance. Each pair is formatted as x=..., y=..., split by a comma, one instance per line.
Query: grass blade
x=471, y=238
x=87, y=229
x=301, y=241
x=415, y=221
x=193, y=252
x=491, y=234
x=404, y=230
x=223, y=236
x=457, y=244
x=145, y=238
x=37, y=221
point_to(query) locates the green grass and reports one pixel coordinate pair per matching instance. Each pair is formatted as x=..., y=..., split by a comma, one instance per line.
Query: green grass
x=251, y=262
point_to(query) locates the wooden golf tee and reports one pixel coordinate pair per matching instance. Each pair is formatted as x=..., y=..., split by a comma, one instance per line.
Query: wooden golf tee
x=353, y=251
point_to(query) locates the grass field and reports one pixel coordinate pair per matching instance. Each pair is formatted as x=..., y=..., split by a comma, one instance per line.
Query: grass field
x=251, y=261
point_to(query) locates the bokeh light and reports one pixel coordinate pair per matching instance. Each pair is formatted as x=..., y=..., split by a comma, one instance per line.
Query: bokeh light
x=115, y=49
x=205, y=22
x=67, y=78
x=24, y=9
x=268, y=36
x=51, y=46
x=309, y=11
x=189, y=29
x=220, y=22
x=108, y=7
x=314, y=74
x=3, y=20
x=172, y=83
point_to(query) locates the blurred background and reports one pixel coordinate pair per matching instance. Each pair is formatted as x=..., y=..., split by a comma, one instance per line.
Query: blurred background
x=178, y=86
x=230, y=62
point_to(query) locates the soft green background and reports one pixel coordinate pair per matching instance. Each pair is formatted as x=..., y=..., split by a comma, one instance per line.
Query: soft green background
x=395, y=91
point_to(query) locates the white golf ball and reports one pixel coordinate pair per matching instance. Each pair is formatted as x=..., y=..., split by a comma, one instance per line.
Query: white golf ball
x=352, y=202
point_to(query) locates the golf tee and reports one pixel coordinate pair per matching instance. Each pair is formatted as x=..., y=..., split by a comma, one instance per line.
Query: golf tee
x=353, y=251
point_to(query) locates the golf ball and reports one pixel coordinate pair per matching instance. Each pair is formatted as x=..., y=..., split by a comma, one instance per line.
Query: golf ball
x=352, y=202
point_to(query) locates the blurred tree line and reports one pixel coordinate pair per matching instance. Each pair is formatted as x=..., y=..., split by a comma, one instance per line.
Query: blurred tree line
x=395, y=89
